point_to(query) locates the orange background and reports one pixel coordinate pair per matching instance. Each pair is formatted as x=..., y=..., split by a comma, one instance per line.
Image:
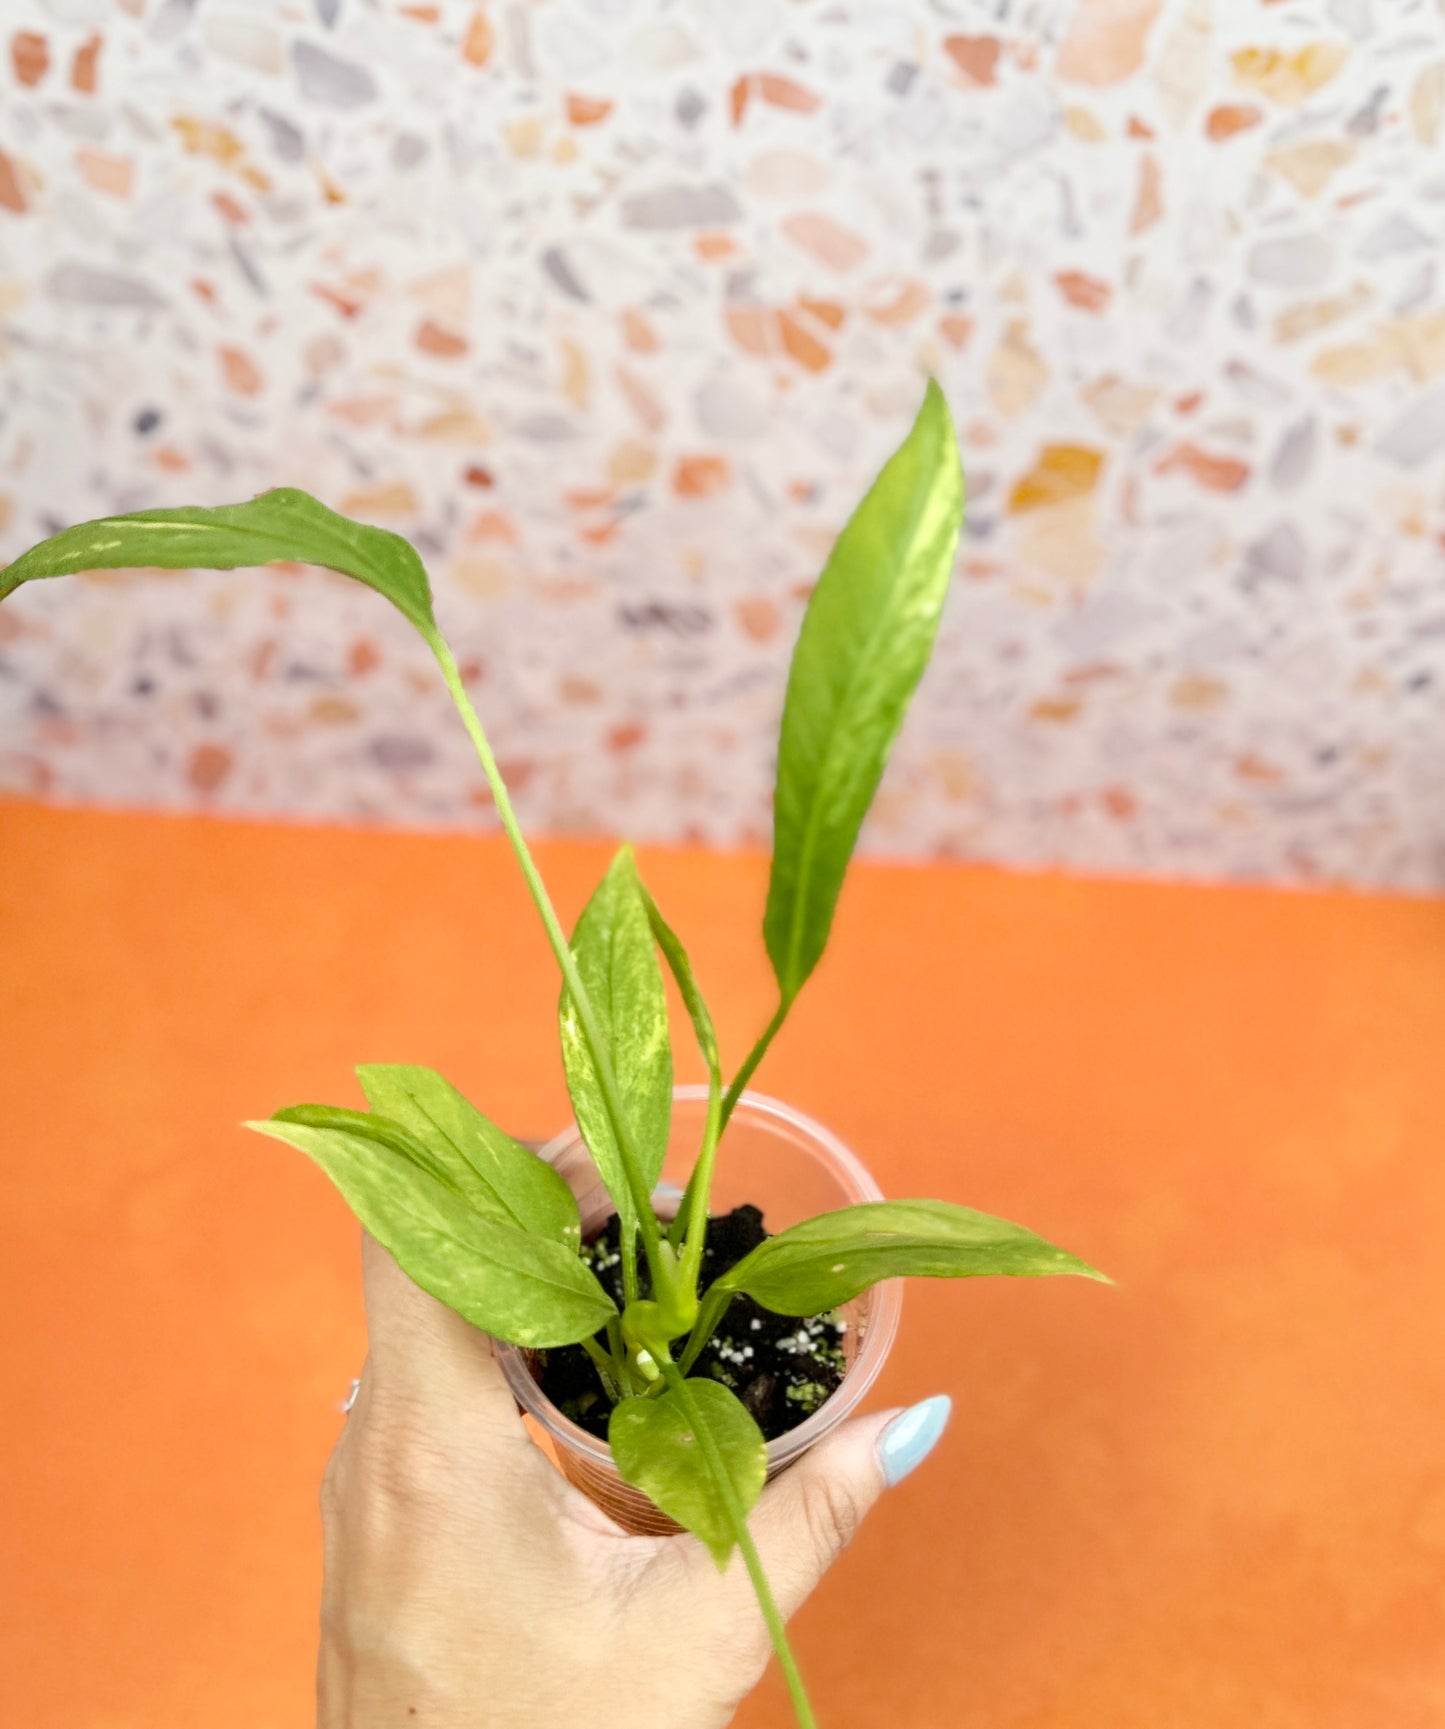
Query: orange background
x=1212, y=1496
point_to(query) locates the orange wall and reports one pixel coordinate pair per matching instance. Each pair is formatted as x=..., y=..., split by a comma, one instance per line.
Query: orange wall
x=1212, y=1496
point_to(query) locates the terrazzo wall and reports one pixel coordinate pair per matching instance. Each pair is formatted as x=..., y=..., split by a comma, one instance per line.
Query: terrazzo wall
x=615, y=305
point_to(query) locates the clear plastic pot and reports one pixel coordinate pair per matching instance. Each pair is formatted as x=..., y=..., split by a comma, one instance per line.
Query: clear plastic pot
x=791, y=1168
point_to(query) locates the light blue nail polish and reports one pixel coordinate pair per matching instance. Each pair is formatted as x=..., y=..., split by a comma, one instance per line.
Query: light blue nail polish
x=911, y=1437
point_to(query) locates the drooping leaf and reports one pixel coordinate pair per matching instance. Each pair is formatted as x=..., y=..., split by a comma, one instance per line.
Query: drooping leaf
x=527, y=1290
x=866, y=638
x=826, y=1260
x=613, y=948
x=503, y=1179
x=657, y=1451
x=282, y=524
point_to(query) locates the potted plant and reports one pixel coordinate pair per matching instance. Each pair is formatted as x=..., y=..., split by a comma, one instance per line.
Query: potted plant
x=641, y=1305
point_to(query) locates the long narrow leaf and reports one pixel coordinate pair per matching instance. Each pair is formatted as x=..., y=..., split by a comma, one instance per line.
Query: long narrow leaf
x=614, y=952
x=680, y=966
x=828, y=1259
x=866, y=638
x=521, y=1288
x=282, y=524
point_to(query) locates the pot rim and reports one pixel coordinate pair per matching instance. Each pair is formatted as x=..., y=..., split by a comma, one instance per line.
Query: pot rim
x=887, y=1303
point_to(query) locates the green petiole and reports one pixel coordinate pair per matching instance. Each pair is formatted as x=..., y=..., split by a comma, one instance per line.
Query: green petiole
x=754, y=1057
x=690, y=1223
x=722, y=1482
x=689, y=1226
x=710, y=1312
x=699, y=1190
x=601, y=1056
x=607, y=1369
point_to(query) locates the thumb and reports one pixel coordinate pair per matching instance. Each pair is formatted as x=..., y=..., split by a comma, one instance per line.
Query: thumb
x=423, y=1355
x=808, y=1516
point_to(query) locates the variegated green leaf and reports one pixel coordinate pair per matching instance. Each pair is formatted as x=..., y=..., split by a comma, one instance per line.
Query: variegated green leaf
x=525, y=1289
x=614, y=952
x=282, y=524
x=865, y=640
x=503, y=1179
x=656, y=1448
x=828, y=1259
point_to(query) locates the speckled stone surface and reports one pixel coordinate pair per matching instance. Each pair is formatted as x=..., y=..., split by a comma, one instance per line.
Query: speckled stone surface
x=614, y=307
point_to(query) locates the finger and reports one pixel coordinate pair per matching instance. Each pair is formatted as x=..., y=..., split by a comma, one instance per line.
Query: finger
x=423, y=1353
x=809, y=1515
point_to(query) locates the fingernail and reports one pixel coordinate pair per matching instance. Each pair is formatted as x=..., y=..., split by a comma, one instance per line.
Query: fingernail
x=911, y=1437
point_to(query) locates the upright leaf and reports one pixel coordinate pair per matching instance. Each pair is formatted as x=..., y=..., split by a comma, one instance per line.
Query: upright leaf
x=656, y=1450
x=681, y=968
x=866, y=638
x=281, y=524
x=612, y=946
x=699, y=1182
x=524, y=1289
x=812, y=1267
x=503, y=1179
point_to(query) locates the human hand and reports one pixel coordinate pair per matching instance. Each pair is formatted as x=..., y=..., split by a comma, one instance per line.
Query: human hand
x=468, y=1584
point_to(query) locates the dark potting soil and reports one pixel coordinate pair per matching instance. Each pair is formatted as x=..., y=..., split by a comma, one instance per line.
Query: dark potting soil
x=782, y=1368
